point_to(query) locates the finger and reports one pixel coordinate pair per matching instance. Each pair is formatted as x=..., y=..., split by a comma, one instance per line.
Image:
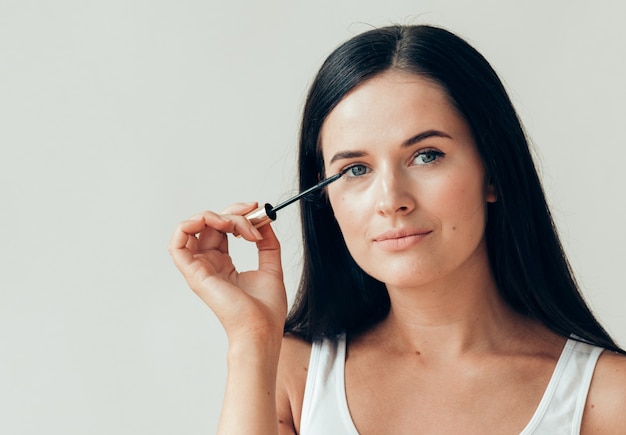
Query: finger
x=235, y=223
x=215, y=239
x=183, y=243
x=240, y=208
x=243, y=227
x=192, y=244
x=269, y=251
x=183, y=231
x=177, y=246
x=213, y=233
x=212, y=220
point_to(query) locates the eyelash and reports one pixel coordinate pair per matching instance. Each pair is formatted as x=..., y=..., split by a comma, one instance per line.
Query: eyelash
x=434, y=153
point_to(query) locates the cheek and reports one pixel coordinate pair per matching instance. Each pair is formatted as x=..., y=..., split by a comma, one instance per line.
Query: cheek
x=346, y=211
x=341, y=207
x=463, y=202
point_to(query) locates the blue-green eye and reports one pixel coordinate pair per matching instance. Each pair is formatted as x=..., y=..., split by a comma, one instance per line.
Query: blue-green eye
x=355, y=170
x=426, y=157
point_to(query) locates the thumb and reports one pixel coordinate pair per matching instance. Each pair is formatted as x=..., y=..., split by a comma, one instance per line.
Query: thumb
x=269, y=251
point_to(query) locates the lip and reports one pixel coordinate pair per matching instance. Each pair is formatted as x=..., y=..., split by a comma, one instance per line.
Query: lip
x=400, y=239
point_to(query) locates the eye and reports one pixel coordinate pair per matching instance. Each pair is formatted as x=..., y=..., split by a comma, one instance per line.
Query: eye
x=355, y=170
x=427, y=156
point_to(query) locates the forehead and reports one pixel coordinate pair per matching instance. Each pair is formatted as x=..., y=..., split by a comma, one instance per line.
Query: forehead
x=387, y=108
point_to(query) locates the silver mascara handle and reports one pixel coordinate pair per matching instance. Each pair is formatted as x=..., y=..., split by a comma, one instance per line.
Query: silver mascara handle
x=260, y=216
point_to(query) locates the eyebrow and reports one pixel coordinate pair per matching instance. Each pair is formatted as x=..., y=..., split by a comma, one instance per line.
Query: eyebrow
x=407, y=143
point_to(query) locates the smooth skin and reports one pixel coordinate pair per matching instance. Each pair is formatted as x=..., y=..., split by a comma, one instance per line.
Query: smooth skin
x=251, y=306
x=451, y=357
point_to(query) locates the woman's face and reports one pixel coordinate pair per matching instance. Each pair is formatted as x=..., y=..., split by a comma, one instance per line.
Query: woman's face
x=412, y=205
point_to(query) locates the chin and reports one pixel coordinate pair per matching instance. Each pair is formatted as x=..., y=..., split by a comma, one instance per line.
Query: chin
x=403, y=277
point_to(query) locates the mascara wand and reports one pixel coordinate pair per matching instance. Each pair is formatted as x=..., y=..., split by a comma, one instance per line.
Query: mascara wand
x=267, y=213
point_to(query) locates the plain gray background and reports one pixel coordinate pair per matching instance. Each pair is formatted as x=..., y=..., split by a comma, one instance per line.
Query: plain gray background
x=120, y=118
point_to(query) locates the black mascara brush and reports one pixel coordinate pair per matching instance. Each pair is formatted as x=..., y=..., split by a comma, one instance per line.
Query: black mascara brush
x=267, y=213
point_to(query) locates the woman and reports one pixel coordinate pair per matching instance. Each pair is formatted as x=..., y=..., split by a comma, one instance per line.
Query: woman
x=435, y=296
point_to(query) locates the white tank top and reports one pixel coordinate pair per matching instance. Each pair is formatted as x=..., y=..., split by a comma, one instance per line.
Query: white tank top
x=325, y=407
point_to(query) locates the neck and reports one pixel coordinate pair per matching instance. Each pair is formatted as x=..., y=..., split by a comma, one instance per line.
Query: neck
x=449, y=317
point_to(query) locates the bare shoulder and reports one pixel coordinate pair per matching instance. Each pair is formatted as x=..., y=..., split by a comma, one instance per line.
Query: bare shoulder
x=294, y=361
x=292, y=372
x=605, y=411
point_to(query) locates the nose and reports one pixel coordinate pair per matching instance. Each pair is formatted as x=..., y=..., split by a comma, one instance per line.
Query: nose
x=394, y=194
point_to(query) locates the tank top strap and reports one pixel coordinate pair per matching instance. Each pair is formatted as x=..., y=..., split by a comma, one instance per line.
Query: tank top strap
x=324, y=406
x=561, y=409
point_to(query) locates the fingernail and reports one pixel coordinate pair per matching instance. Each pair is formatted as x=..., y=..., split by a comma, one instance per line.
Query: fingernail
x=257, y=234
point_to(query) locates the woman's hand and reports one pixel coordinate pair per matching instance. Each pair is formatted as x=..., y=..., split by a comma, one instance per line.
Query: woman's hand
x=251, y=305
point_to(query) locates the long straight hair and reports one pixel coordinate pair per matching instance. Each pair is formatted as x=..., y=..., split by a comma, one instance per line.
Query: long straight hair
x=529, y=265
